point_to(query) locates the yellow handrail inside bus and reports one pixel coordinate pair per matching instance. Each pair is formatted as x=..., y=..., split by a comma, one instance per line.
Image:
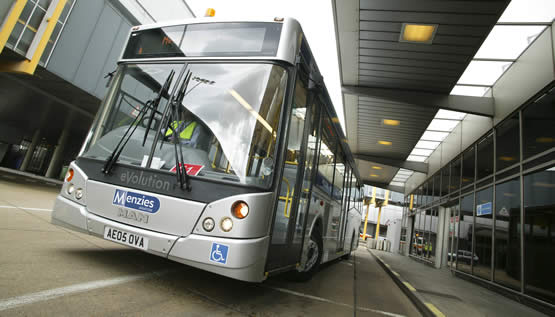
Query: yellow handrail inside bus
x=287, y=198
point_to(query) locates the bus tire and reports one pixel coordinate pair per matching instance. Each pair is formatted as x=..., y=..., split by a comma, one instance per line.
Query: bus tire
x=315, y=245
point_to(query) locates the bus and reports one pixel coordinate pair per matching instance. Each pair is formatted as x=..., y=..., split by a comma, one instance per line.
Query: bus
x=217, y=146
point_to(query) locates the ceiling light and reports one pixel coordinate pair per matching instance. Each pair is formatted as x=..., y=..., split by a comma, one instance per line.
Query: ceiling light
x=430, y=145
x=391, y=122
x=418, y=33
x=421, y=152
x=377, y=167
x=384, y=142
x=416, y=158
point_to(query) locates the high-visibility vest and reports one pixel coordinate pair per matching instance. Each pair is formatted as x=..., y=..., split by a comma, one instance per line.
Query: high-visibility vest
x=186, y=134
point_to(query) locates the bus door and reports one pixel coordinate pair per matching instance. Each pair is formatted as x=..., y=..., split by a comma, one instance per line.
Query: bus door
x=294, y=190
x=344, y=208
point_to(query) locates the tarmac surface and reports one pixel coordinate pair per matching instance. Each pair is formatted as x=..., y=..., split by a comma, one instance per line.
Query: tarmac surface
x=51, y=271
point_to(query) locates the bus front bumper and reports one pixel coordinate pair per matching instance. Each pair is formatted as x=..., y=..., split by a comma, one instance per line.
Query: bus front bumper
x=242, y=259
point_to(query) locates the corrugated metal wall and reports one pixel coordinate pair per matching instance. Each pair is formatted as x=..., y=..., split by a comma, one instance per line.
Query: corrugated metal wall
x=90, y=45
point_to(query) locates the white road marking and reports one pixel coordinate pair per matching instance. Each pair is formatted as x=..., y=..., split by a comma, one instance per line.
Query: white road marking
x=72, y=289
x=26, y=208
x=320, y=299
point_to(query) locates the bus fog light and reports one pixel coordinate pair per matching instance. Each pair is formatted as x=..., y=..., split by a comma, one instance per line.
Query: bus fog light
x=79, y=193
x=240, y=209
x=226, y=224
x=70, y=189
x=208, y=224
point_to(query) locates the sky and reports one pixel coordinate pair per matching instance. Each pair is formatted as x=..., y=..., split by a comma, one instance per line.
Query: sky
x=316, y=18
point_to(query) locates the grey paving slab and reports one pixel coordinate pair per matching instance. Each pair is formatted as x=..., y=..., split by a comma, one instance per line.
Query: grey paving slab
x=50, y=271
x=451, y=295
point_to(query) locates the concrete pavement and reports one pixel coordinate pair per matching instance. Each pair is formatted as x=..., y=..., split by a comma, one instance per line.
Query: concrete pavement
x=446, y=294
x=46, y=270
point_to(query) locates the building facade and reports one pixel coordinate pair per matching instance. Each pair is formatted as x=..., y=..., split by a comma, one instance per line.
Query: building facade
x=55, y=60
x=486, y=209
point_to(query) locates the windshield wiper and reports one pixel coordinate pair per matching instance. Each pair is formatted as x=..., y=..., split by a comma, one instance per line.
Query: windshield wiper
x=156, y=102
x=151, y=104
x=180, y=170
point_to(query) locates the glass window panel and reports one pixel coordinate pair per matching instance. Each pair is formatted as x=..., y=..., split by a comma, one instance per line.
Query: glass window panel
x=424, y=194
x=453, y=232
x=443, y=125
x=65, y=11
x=483, y=233
x=485, y=157
x=27, y=10
x=433, y=234
x=431, y=145
x=483, y=72
x=468, y=167
x=25, y=41
x=36, y=19
x=415, y=235
x=507, y=143
x=445, y=181
x=538, y=122
x=464, y=252
x=437, y=186
x=470, y=91
x=508, y=41
x=50, y=44
x=449, y=114
x=428, y=188
x=539, y=234
x=507, y=234
x=44, y=4
x=434, y=136
x=416, y=158
x=455, y=180
x=529, y=11
x=427, y=234
x=324, y=178
x=420, y=191
x=339, y=176
x=16, y=32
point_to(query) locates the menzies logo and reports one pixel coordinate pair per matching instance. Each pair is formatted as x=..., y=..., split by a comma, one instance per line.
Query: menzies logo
x=136, y=201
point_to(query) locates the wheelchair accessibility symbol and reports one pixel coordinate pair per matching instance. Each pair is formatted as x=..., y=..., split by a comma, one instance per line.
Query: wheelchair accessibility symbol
x=219, y=253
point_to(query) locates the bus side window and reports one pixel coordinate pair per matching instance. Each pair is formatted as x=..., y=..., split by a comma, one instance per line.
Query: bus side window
x=326, y=157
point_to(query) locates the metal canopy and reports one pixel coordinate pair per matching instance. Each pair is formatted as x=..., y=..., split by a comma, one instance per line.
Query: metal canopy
x=384, y=78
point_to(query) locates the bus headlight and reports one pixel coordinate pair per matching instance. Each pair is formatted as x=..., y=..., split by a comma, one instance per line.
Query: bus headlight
x=208, y=224
x=79, y=193
x=70, y=189
x=240, y=209
x=226, y=224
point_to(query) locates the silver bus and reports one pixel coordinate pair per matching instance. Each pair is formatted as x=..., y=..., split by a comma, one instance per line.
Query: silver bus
x=217, y=146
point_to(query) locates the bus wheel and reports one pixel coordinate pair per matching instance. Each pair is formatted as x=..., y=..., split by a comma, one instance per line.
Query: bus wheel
x=314, y=256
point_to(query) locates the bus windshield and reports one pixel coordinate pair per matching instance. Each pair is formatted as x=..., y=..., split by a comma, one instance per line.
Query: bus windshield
x=224, y=125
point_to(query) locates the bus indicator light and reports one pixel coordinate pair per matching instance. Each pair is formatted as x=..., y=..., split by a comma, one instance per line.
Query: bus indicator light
x=69, y=175
x=210, y=12
x=240, y=209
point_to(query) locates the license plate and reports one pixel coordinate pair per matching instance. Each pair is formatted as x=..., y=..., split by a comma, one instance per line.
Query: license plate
x=127, y=238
